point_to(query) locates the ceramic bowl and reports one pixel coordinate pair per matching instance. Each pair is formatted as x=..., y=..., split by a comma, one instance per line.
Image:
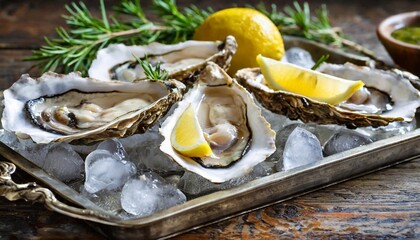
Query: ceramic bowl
x=404, y=54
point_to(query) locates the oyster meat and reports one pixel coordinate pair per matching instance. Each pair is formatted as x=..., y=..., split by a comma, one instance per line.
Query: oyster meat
x=71, y=108
x=117, y=61
x=387, y=97
x=232, y=124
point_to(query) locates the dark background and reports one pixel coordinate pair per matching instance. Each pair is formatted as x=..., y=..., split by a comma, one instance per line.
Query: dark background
x=23, y=24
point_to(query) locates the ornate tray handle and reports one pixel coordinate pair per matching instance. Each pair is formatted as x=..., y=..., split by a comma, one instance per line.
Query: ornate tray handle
x=31, y=192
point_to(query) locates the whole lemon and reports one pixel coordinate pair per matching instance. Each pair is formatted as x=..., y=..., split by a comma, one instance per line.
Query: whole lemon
x=254, y=32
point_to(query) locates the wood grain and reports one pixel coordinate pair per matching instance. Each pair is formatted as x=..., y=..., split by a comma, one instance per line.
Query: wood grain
x=381, y=205
x=12, y=66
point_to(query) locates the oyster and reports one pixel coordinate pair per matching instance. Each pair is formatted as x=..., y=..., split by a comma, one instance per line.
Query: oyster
x=232, y=123
x=56, y=108
x=180, y=60
x=388, y=98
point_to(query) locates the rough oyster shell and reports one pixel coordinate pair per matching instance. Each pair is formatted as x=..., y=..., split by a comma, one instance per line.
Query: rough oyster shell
x=214, y=84
x=405, y=99
x=56, y=108
x=180, y=60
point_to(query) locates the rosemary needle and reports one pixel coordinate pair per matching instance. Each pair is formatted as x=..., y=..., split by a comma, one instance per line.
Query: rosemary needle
x=298, y=21
x=74, y=49
x=322, y=59
x=152, y=72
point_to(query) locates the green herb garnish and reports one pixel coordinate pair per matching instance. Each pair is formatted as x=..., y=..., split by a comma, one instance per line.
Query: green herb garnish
x=408, y=34
x=152, y=72
x=75, y=49
x=297, y=21
x=322, y=59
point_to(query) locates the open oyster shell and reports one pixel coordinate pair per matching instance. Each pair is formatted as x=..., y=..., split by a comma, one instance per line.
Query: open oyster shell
x=402, y=98
x=56, y=108
x=181, y=60
x=221, y=103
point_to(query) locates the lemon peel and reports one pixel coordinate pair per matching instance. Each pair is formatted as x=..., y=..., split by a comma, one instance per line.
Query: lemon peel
x=312, y=84
x=255, y=34
x=187, y=137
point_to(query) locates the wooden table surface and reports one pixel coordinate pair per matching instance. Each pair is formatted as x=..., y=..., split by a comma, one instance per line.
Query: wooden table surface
x=381, y=205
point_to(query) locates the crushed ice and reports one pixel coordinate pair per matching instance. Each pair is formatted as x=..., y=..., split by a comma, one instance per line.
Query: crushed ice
x=149, y=193
x=131, y=177
x=104, y=170
x=299, y=56
x=115, y=172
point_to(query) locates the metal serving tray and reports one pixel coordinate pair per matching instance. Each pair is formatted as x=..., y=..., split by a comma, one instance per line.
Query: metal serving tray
x=221, y=204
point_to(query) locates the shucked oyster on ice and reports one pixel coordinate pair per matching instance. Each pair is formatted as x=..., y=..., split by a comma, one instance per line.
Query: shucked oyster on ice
x=232, y=123
x=387, y=97
x=116, y=62
x=56, y=108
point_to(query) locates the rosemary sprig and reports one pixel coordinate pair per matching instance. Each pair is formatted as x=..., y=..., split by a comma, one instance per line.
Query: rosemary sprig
x=75, y=47
x=297, y=21
x=180, y=25
x=322, y=59
x=152, y=72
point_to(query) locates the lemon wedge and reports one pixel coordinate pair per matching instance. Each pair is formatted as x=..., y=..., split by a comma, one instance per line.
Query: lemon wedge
x=312, y=84
x=187, y=137
x=254, y=32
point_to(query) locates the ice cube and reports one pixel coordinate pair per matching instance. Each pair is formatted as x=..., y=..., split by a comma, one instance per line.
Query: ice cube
x=51, y=157
x=8, y=138
x=300, y=57
x=149, y=193
x=63, y=162
x=84, y=150
x=302, y=147
x=392, y=129
x=143, y=150
x=113, y=146
x=263, y=169
x=260, y=170
x=104, y=170
x=173, y=179
x=77, y=185
x=276, y=121
x=284, y=133
x=322, y=132
x=35, y=153
x=107, y=200
x=195, y=185
x=345, y=140
x=281, y=138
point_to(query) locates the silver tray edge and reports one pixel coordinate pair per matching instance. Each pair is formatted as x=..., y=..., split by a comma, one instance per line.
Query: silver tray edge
x=227, y=203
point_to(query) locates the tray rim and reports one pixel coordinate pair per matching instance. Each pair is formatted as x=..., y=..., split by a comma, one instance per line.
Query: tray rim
x=215, y=197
